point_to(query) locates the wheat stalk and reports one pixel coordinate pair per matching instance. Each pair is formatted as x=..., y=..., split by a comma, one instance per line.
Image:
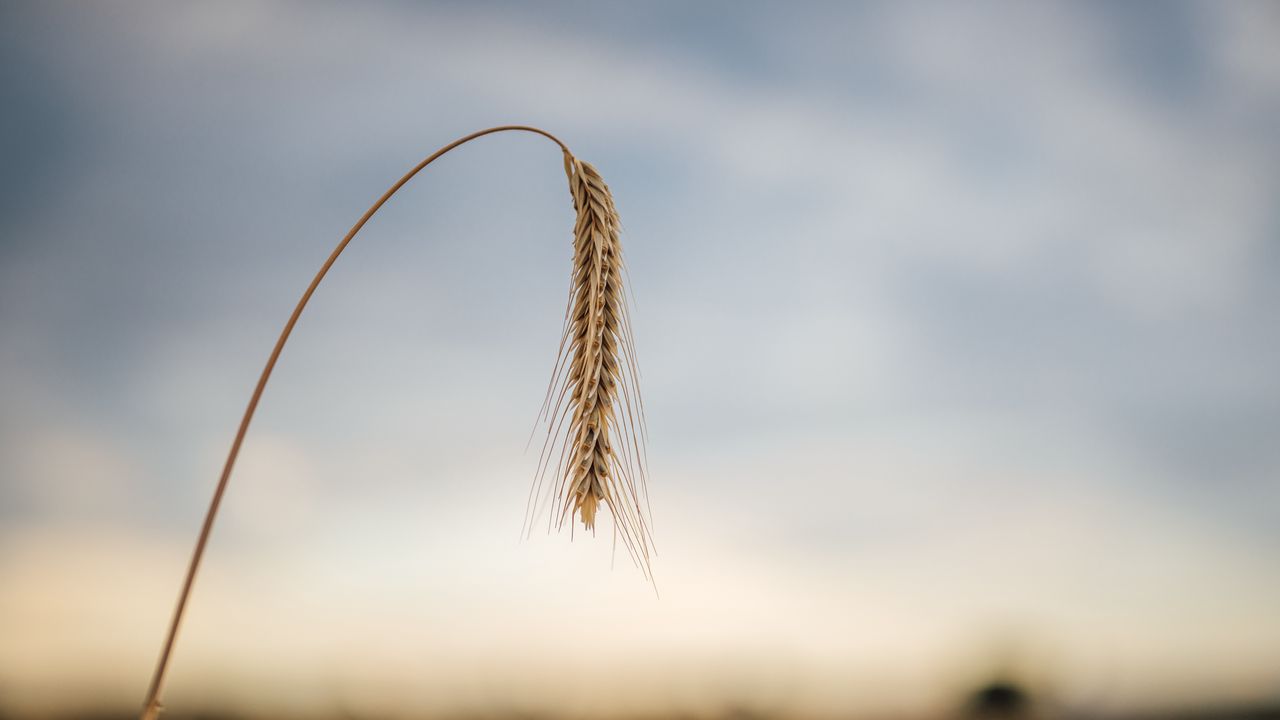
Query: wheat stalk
x=597, y=419
x=606, y=462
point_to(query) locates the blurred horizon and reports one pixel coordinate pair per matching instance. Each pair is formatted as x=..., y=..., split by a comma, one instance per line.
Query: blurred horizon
x=958, y=327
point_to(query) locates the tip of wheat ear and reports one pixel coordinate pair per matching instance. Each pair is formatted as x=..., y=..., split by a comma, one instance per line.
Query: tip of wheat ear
x=594, y=449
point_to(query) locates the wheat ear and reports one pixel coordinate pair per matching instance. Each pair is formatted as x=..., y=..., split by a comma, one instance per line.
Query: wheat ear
x=595, y=343
x=593, y=409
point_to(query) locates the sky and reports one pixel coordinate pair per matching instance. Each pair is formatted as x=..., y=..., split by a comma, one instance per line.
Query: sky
x=958, y=327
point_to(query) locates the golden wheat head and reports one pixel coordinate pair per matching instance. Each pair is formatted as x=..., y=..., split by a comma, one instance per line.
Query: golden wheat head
x=601, y=447
x=594, y=415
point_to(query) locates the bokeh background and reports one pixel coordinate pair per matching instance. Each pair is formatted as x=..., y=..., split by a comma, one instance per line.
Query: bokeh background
x=959, y=325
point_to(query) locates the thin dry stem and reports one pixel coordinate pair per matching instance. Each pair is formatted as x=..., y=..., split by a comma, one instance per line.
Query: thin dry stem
x=590, y=423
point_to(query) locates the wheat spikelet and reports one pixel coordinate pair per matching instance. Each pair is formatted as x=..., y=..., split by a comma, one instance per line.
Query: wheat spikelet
x=593, y=408
x=605, y=462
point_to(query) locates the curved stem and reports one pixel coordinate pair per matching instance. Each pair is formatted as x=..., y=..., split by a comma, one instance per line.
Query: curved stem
x=151, y=708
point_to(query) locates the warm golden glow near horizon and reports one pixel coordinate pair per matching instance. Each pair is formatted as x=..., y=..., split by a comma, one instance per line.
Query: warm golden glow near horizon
x=309, y=606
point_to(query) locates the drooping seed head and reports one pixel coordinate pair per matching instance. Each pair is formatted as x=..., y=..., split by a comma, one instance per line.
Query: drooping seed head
x=593, y=409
